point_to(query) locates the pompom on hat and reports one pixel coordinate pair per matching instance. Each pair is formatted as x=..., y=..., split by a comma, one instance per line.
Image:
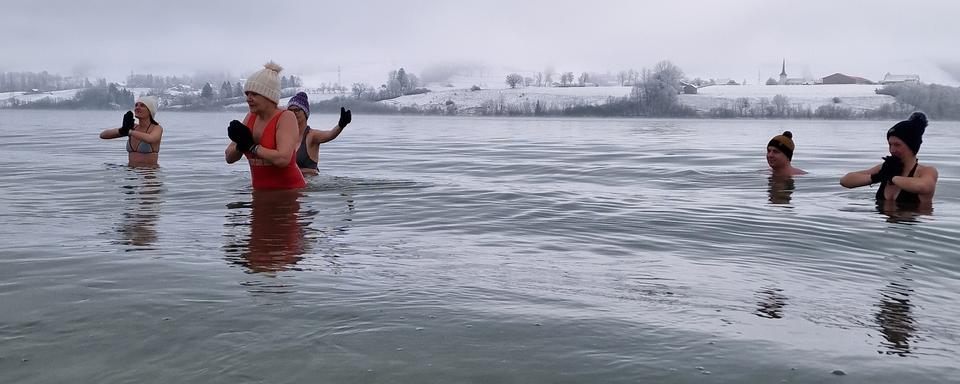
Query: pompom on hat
x=910, y=131
x=300, y=101
x=784, y=143
x=265, y=82
x=151, y=103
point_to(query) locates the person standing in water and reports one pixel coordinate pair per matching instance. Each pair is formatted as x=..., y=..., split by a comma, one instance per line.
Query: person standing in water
x=268, y=136
x=902, y=179
x=310, y=139
x=780, y=155
x=143, y=136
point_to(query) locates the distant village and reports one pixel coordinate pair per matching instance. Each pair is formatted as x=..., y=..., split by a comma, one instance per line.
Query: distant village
x=690, y=87
x=662, y=91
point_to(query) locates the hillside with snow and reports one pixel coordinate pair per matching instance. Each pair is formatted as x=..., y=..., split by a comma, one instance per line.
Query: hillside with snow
x=7, y=98
x=467, y=102
x=470, y=102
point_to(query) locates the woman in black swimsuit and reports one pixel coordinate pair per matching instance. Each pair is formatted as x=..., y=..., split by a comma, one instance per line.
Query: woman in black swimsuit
x=901, y=177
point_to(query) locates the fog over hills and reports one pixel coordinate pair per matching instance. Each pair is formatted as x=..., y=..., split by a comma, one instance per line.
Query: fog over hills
x=362, y=41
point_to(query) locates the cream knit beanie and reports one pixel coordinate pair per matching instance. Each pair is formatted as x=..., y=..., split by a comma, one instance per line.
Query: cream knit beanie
x=151, y=103
x=265, y=82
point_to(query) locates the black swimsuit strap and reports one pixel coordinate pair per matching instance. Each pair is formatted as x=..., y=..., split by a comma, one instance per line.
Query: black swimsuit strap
x=914, y=169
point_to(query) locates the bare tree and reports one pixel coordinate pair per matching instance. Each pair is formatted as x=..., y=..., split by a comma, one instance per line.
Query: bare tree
x=780, y=102
x=548, y=76
x=742, y=104
x=656, y=91
x=358, y=89
x=513, y=79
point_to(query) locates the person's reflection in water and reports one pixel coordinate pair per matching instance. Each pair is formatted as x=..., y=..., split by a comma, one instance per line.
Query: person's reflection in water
x=142, y=194
x=897, y=212
x=780, y=189
x=770, y=303
x=895, y=318
x=276, y=241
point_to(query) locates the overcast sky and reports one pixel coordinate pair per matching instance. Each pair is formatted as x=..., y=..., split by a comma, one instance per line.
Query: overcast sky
x=741, y=39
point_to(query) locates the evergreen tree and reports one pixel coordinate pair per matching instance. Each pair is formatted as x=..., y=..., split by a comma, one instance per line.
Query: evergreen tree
x=207, y=91
x=403, y=81
x=226, y=90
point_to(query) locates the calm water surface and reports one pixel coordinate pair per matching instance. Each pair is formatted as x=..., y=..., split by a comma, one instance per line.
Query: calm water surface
x=473, y=250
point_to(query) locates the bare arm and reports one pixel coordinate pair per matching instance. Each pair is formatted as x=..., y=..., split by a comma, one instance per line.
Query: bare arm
x=858, y=178
x=152, y=138
x=287, y=135
x=320, y=137
x=110, y=133
x=925, y=183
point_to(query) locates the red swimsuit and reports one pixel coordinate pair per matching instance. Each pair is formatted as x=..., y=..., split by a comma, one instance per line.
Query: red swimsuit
x=268, y=176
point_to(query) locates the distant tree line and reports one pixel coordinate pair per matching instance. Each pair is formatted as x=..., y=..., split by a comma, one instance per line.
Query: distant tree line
x=937, y=101
x=43, y=82
x=566, y=79
x=200, y=80
x=780, y=107
x=398, y=83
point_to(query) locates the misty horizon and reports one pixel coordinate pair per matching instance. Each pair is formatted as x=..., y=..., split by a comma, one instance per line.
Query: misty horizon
x=740, y=40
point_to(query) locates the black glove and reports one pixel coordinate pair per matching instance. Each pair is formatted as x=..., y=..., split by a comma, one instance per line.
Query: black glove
x=892, y=166
x=241, y=135
x=127, y=124
x=345, y=117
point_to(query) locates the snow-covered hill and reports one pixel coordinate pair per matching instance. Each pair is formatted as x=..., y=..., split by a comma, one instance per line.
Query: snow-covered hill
x=6, y=98
x=469, y=102
x=855, y=97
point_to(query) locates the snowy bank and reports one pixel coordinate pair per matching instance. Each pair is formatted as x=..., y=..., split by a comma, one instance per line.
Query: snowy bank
x=853, y=96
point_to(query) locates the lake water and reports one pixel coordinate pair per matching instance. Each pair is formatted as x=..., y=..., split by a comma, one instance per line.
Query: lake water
x=473, y=250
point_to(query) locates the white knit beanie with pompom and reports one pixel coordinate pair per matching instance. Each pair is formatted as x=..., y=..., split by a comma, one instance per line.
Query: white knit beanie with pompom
x=265, y=82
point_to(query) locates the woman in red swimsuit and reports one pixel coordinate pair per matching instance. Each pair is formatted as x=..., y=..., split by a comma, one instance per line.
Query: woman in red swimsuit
x=268, y=137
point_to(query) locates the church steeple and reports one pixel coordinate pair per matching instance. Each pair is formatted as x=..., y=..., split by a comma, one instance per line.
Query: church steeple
x=783, y=73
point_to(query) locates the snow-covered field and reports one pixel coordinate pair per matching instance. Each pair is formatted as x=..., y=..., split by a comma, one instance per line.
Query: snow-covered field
x=853, y=96
x=468, y=102
x=6, y=98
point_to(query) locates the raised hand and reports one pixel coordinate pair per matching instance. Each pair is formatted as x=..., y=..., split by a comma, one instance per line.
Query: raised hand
x=241, y=135
x=127, y=124
x=345, y=117
x=892, y=166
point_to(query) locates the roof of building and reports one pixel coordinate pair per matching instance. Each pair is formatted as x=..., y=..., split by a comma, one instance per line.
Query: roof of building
x=899, y=78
